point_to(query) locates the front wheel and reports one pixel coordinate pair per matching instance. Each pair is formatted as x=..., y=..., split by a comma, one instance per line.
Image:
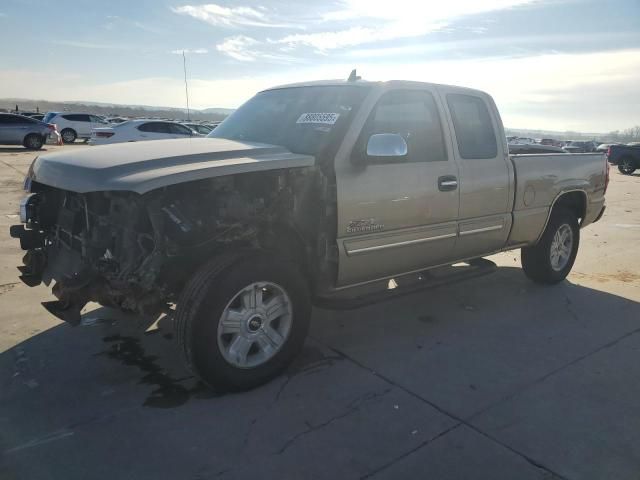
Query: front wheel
x=33, y=141
x=626, y=166
x=242, y=319
x=551, y=259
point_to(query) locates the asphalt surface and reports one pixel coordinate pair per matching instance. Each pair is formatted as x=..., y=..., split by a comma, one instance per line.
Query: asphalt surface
x=493, y=378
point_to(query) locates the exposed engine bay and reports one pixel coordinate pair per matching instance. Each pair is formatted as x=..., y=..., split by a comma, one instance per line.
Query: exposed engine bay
x=134, y=252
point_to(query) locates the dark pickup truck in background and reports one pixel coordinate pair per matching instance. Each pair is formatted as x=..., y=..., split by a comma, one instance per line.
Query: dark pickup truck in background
x=627, y=158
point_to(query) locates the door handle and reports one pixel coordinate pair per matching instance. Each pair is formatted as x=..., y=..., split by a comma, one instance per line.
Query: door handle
x=447, y=183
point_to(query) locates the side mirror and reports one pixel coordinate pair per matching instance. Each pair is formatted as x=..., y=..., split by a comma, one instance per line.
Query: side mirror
x=386, y=146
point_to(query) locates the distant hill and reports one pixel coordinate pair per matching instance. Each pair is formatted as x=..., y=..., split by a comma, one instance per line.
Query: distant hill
x=223, y=111
x=108, y=109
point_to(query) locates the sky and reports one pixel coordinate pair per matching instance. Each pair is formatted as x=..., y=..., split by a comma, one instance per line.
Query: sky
x=549, y=64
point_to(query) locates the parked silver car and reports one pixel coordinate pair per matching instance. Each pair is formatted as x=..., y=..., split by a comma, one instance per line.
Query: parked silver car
x=21, y=130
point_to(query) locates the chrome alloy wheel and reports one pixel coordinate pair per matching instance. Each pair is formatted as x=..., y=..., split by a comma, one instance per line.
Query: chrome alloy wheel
x=561, y=247
x=255, y=325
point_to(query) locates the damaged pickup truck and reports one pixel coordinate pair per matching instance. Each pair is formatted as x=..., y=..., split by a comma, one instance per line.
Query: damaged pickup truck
x=306, y=192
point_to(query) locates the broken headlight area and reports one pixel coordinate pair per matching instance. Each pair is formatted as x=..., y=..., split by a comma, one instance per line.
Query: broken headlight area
x=134, y=252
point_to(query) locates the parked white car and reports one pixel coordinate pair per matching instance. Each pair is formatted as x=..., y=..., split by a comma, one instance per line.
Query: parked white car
x=140, y=130
x=74, y=125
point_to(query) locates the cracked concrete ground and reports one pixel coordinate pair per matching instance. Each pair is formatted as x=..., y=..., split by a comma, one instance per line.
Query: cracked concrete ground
x=492, y=378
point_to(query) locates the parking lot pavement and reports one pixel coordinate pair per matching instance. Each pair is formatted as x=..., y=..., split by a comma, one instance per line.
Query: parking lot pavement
x=491, y=378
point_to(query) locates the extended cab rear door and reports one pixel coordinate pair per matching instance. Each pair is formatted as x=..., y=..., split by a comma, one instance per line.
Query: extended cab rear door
x=397, y=215
x=486, y=174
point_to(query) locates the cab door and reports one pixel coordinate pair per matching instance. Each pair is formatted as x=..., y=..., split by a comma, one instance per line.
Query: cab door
x=486, y=172
x=397, y=214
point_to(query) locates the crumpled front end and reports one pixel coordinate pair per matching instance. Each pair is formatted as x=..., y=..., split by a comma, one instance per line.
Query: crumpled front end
x=132, y=251
x=94, y=247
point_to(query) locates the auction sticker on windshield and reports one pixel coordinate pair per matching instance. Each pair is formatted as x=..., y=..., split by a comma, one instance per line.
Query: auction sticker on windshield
x=322, y=118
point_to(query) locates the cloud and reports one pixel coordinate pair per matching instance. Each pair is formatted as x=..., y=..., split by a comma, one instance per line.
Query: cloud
x=196, y=51
x=412, y=11
x=239, y=47
x=248, y=49
x=324, y=41
x=89, y=45
x=220, y=16
x=378, y=20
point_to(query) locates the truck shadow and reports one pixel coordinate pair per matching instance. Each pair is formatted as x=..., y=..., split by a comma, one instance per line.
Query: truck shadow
x=70, y=380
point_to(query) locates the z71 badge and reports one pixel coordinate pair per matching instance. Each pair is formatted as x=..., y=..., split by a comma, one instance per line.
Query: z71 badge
x=364, y=225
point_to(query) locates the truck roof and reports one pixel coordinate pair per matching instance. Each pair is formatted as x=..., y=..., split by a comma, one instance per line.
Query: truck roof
x=368, y=83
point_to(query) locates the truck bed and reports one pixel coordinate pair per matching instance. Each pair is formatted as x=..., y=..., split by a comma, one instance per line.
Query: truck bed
x=541, y=178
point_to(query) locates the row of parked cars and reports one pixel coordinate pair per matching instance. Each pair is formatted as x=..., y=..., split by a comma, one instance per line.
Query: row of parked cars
x=67, y=127
x=625, y=157
x=523, y=145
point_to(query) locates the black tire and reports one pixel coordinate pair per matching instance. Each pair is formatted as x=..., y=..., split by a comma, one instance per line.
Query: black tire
x=68, y=135
x=33, y=141
x=626, y=166
x=205, y=298
x=536, y=260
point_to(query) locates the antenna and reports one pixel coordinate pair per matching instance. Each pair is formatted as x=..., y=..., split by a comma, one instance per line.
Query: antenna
x=186, y=86
x=353, y=77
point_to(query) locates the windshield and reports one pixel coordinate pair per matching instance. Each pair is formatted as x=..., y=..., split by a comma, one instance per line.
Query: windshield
x=302, y=119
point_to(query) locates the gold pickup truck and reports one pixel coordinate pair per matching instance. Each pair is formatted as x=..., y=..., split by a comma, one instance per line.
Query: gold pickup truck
x=307, y=193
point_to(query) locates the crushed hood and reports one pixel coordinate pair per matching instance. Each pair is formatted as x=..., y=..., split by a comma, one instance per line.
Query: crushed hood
x=144, y=166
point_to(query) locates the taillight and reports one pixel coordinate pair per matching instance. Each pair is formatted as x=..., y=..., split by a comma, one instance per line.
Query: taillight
x=606, y=178
x=52, y=127
x=608, y=152
x=104, y=134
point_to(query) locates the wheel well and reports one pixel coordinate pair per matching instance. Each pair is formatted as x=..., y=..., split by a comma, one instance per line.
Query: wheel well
x=575, y=202
x=288, y=243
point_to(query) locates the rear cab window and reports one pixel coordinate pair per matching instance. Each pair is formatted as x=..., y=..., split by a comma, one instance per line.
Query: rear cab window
x=473, y=127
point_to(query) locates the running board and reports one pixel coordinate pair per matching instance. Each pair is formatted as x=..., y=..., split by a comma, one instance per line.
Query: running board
x=362, y=296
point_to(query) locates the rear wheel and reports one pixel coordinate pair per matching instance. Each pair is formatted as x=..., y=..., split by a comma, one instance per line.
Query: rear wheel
x=242, y=319
x=626, y=166
x=68, y=135
x=551, y=259
x=33, y=141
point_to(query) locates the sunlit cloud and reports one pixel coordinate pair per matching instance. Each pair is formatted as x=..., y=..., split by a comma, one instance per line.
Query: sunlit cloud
x=353, y=23
x=220, y=16
x=239, y=47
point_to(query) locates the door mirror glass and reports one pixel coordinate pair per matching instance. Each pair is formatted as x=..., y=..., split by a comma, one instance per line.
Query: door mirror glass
x=387, y=146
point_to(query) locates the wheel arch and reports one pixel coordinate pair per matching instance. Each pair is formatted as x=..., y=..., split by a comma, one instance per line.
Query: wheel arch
x=574, y=200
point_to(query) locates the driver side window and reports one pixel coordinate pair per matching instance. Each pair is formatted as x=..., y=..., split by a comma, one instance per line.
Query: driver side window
x=413, y=114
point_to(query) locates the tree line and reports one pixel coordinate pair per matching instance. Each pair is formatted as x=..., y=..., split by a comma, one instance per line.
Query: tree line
x=625, y=136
